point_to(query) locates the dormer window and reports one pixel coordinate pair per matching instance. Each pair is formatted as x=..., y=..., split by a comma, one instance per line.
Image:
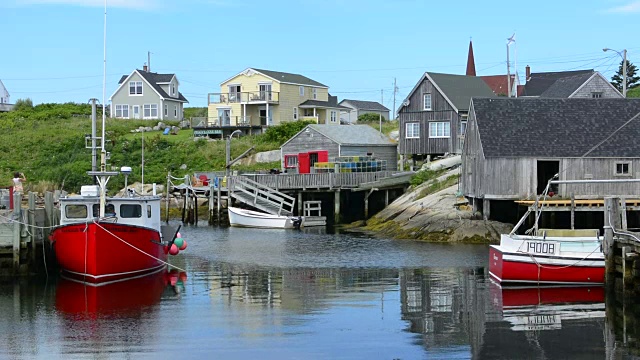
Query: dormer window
x=427, y=101
x=135, y=87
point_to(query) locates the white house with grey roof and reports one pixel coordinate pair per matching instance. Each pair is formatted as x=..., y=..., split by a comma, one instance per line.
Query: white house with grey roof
x=355, y=108
x=148, y=95
x=5, y=101
x=346, y=140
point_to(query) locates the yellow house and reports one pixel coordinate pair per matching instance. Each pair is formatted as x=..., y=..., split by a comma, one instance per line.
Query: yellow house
x=257, y=97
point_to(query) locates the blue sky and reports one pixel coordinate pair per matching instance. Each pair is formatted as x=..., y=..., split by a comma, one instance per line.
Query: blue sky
x=52, y=49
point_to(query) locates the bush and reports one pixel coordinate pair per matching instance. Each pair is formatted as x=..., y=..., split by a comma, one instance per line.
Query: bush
x=23, y=104
x=424, y=176
x=283, y=132
x=370, y=117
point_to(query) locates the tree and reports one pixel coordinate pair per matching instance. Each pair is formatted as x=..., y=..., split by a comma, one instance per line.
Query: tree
x=370, y=117
x=632, y=79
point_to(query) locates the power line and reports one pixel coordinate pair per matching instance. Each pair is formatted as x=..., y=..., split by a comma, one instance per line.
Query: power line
x=56, y=91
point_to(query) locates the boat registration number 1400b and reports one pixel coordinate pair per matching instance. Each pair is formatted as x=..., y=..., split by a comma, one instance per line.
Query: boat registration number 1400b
x=542, y=247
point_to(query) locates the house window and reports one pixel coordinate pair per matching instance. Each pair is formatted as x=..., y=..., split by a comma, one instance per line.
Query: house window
x=295, y=113
x=301, y=90
x=166, y=110
x=291, y=161
x=122, y=111
x=315, y=94
x=413, y=131
x=463, y=127
x=439, y=129
x=175, y=111
x=334, y=116
x=596, y=95
x=427, y=101
x=173, y=89
x=135, y=87
x=150, y=111
x=623, y=169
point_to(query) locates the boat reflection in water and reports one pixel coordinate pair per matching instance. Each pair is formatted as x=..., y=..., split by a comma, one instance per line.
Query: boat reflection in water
x=120, y=299
x=546, y=308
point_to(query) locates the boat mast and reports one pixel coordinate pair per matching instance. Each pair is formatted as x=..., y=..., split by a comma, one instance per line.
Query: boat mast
x=103, y=154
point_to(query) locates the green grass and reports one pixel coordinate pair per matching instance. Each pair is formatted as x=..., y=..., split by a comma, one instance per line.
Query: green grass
x=47, y=143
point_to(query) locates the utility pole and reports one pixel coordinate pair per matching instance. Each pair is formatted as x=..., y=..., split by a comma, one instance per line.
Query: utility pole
x=381, y=102
x=395, y=90
x=624, y=73
x=508, y=74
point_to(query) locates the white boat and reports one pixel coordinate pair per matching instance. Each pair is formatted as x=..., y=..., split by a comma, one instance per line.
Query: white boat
x=256, y=219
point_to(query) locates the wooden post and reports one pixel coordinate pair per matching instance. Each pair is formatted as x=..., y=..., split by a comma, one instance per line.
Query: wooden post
x=195, y=208
x=336, y=205
x=17, y=217
x=623, y=214
x=535, y=219
x=486, y=209
x=300, y=204
x=219, y=201
x=627, y=267
x=610, y=216
x=31, y=226
x=167, y=197
x=573, y=211
x=386, y=198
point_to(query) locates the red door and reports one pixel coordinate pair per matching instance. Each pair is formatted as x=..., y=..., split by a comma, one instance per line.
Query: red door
x=304, y=166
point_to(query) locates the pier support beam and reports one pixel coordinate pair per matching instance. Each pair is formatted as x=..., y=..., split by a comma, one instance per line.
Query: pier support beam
x=386, y=198
x=300, y=203
x=336, y=207
x=366, y=203
x=611, y=221
x=17, y=217
x=31, y=224
x=486, y=209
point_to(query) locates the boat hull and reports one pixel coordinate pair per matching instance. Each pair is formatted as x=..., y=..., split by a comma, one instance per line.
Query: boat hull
x=103, y=252
x=509, y=264
x=247, y=218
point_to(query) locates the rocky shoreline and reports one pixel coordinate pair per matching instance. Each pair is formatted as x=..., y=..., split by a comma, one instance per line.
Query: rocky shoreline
x=439, y=216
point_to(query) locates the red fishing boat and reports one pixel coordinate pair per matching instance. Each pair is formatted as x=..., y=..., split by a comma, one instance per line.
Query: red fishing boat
x=127, y=240
x=550, y=257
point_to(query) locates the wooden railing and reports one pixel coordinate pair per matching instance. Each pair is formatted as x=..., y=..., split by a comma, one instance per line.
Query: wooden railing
x=316, y=181
x=260, y=193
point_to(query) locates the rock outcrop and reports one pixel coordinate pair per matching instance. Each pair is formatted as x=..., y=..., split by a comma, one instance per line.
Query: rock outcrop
x=441, y=216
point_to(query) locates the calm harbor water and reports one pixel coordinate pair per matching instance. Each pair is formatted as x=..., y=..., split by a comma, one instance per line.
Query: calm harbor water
x=274, y=294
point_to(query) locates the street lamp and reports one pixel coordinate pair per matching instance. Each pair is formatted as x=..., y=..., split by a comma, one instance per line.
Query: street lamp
x=624, y=68
x=228, y=150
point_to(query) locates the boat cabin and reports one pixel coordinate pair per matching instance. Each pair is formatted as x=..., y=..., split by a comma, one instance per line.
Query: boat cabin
x=141, y=211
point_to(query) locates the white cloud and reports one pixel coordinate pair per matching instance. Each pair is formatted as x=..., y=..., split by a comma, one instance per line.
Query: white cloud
x=130, y=4
x=632, y=7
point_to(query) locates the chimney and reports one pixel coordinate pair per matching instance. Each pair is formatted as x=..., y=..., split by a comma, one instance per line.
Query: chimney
x=144, y=67
x=528, y=73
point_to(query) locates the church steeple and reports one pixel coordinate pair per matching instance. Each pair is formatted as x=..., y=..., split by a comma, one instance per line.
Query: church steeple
x=471, y=63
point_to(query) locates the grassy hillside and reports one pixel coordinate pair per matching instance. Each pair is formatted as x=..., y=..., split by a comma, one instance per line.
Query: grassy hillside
x=47, y=144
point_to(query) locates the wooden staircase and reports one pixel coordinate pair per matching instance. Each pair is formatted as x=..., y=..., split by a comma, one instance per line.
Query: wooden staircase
x=259, y=196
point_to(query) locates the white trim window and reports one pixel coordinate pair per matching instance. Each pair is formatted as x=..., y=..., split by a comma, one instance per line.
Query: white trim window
x=173, y=89
x=334, y=116
x=166, y=110
x=175, y=111
x=412, y=130
x=150, y=111
x=301, y=90
x=122, y=111
x=440, y=129
x=622, y=168
x=315, y=94
x=135, y=87
x=295, y=113
x=427, y=101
